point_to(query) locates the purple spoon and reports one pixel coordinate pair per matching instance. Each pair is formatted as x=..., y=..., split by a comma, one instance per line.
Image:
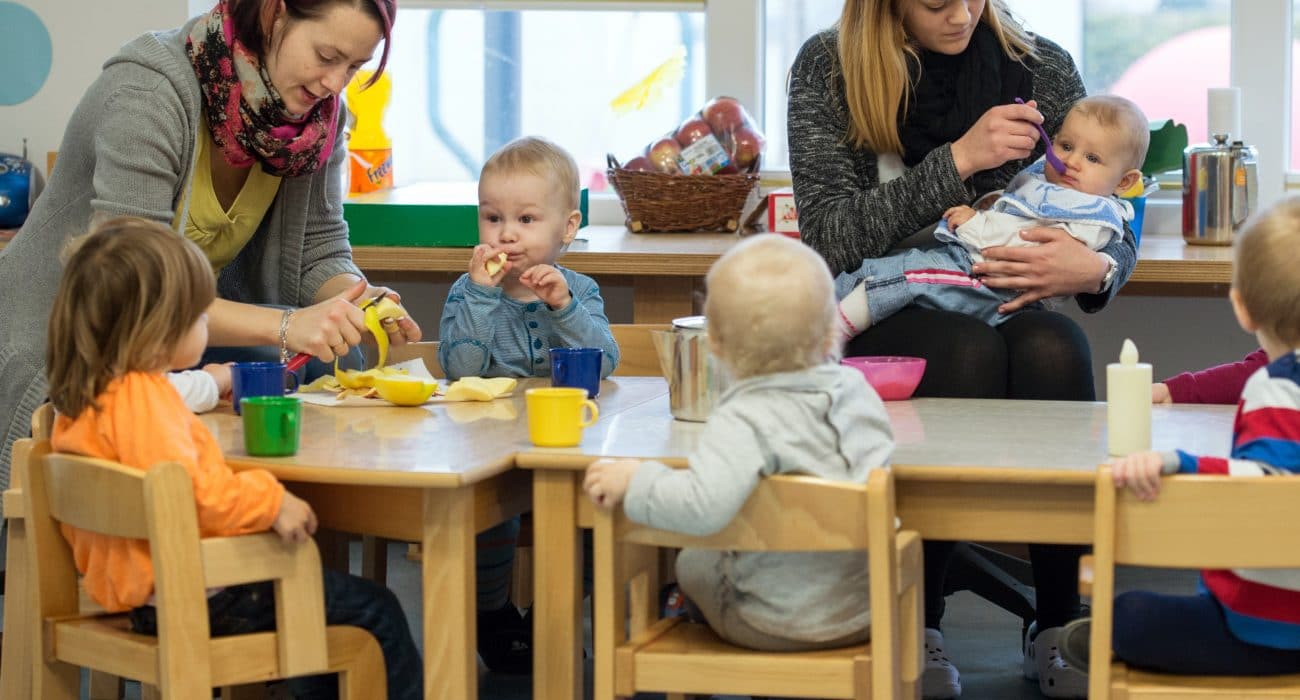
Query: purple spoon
x=1052, y=160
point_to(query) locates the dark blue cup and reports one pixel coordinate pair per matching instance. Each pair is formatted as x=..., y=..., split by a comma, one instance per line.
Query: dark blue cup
x=259, y=379
x=577, y=367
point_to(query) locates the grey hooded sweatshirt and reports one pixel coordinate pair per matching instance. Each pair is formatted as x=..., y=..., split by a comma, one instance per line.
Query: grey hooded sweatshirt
x=824, y=421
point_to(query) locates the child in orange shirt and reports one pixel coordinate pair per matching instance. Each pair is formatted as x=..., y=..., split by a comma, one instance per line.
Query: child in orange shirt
x=132, y=305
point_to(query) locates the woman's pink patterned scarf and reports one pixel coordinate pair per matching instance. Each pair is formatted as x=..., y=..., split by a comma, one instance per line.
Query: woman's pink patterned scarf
x=247, y=117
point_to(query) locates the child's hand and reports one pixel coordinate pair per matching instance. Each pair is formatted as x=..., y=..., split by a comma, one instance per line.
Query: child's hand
x=958, y=215
x=1160, y=393
x=296, y=521
x=478, y=265
x=607, y=481
x=220, y=373
x=1140, y=472
x=548, y=284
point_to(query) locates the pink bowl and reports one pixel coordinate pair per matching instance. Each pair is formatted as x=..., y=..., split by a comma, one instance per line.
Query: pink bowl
x=894, y=378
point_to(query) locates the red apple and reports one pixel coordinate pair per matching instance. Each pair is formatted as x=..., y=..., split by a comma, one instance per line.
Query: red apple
x=663, y=153
x=692, y=130
x=724, y=114
x=640, y=164
x=748, y=144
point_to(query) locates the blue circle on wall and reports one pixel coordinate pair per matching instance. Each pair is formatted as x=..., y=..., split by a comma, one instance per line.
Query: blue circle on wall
x=25, y=53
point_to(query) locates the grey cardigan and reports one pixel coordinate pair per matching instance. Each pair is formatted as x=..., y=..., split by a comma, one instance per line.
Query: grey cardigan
x=129, y=149
x=824, y=421
x=848, y=214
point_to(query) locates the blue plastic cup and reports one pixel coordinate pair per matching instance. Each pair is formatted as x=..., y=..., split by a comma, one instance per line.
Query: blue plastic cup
x=577, y=367
x=259, y=379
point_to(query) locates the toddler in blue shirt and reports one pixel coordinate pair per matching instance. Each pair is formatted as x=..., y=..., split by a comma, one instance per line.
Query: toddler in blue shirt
x=503, y=317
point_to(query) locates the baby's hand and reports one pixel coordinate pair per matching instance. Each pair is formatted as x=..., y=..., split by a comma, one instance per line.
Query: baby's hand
x=548, y=284
x=296, y=522
x=1160, y=393
x=607, y=481
x=958, y=215
x=220, y=373
x=486, y=266
x=1140, y=472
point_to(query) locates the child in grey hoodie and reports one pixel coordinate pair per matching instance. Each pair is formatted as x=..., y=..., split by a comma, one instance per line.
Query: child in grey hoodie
x=772, y=322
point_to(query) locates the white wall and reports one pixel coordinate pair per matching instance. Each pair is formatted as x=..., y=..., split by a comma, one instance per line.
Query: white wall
x=83, y=35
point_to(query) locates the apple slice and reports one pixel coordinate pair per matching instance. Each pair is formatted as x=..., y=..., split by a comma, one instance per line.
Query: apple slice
x=494, y=265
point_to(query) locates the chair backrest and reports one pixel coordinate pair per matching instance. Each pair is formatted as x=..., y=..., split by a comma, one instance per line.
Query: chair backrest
x=1204, y=522
x=424, y=350
x=43, y=421
x=637, y=356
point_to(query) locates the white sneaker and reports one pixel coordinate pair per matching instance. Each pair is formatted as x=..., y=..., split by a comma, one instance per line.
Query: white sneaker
x=1056, y=678
x=939, y=678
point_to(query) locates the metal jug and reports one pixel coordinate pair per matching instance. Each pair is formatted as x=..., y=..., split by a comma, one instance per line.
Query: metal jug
x=1220, y=190
x=695, y=377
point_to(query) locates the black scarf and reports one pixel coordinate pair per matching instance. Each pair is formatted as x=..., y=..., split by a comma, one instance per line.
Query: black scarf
x=950, y=93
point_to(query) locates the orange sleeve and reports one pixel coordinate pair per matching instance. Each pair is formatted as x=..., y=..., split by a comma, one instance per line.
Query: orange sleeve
x=151, y=425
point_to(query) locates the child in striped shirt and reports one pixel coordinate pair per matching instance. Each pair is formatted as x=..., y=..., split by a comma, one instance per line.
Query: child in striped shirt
x=1245, y=621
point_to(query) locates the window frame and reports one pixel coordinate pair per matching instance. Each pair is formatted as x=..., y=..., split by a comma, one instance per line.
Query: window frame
x=734, y=29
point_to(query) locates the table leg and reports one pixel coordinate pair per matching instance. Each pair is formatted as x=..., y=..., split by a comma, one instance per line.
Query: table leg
x=447, y=574
x=557, y=589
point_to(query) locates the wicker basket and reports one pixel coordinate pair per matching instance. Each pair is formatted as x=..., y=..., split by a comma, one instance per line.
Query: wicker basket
x=661, y=202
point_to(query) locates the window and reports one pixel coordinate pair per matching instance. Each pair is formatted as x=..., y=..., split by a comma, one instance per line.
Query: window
x=467, y=81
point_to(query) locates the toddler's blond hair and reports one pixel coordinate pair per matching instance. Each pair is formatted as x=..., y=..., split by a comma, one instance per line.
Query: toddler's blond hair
x=1264, y=271
x=771, y=307
x=537, y=156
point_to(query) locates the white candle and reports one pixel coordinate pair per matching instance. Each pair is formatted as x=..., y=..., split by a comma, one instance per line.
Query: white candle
x=1128, y=403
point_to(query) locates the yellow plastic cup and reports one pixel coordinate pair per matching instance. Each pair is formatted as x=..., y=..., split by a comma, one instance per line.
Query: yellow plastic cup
x=555, y=415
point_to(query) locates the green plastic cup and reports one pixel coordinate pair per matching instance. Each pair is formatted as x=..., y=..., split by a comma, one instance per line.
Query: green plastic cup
x=271, y=425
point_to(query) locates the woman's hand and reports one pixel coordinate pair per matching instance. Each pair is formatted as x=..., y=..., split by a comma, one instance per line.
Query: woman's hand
x=1004, y=133
x=402, y=330
x=329, y=328
x=1060, y=266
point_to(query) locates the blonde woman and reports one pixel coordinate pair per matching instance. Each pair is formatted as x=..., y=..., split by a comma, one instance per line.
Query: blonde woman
x=905, y=109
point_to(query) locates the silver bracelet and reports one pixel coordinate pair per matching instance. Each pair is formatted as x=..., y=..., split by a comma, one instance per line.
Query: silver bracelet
x=284, y=334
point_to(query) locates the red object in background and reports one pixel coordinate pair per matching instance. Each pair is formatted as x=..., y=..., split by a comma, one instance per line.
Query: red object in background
x=782, y=216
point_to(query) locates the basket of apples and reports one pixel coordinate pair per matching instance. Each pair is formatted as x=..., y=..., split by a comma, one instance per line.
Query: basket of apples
x=696, y=178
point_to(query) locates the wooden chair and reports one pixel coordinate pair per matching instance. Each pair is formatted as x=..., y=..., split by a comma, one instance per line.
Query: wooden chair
x=1196, y=522
x=183, y=661
x=785, y=513
x=636, y=349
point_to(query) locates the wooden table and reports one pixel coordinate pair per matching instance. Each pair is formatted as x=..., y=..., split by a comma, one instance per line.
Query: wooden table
x=436, y=474
x=1006, y=471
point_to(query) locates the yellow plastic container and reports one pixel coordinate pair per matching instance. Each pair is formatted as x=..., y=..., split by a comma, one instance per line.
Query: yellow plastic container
x=370, y=150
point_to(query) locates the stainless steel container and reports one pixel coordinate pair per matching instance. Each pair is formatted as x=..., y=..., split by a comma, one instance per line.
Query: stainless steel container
x=1220, y=190
x=695, y=377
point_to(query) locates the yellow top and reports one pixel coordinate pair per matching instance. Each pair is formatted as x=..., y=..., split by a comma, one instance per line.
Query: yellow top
x=222, y=233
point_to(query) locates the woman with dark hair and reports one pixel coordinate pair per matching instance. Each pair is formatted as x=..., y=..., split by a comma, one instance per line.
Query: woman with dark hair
x=228, y=130
x=905, y=109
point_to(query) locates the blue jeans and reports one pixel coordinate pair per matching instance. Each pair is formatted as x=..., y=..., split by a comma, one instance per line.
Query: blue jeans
x=1188, y=634
x=349, y=600
x=931, y=278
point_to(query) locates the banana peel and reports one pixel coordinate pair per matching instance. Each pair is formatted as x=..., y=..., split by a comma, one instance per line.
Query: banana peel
x=375, y=314
x=480, y=389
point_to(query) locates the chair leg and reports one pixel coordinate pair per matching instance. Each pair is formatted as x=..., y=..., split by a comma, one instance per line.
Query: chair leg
x=374, y=559
x=356, y=655
x=55, y=680
x=105, y=686
x=150, y=692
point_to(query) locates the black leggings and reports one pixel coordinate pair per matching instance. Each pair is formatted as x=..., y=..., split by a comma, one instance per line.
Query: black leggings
x=1035, y=355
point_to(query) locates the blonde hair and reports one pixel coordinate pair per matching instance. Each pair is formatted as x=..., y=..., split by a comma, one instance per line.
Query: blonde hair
x=770, y=306
x=130, y=291
x=874, y=51
x=1123, y=117
x=1265, y=260
x=537, y=156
